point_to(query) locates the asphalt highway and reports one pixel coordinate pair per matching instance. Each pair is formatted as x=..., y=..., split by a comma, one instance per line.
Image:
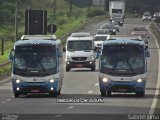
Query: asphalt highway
x=83, y=83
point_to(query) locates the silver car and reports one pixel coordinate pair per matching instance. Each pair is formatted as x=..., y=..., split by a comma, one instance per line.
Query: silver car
x=147, y=16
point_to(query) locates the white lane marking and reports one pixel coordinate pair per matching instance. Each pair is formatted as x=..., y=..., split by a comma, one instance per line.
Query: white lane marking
x=90, y=91
x=153, y=106
x=8, y=100
x=71, y=107
x=58, y=116
x=4, y=102
x=97, y=84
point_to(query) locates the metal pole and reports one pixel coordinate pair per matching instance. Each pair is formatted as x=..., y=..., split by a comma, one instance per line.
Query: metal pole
x=16, y=4
x=55, y=8
x=89, y=6
x=2, y=47
x=70, y=7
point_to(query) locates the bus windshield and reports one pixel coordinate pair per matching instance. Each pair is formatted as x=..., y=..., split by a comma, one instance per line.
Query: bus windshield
x=123, y=58
x=35, y=59
x=79, y=45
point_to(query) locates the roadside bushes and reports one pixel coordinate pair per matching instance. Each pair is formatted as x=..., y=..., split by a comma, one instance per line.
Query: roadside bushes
x=95, y=13
x=157, y=21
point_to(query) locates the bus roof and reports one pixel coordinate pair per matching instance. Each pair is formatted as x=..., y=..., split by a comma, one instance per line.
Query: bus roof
x=124, y=39
x=31, y=42
x=37, y=37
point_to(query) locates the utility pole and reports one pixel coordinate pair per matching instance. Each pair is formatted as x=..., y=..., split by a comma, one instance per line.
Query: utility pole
x=16, y=5
x=89, y=6
x=55, y=8
x=2, y=46
x=70, y=7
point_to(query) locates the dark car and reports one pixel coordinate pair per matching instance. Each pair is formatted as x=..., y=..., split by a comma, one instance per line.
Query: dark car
x=112, y=28
x=120, y=21
x=116, y=25
x=156, y=15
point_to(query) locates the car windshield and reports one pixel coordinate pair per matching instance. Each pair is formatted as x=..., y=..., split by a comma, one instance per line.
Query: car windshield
x=147, y=14
x=102, y=32
x=108, y=27
x=80, y=35
x=79, y=45
x=121, y=57
x=100, y=38
x=115, y=23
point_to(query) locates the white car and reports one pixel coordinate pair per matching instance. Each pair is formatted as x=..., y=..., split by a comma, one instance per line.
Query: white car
x=99, y=39
x=80, y=53
x=147, y=16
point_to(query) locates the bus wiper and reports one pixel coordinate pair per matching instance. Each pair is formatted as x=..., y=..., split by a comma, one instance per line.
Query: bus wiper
x=131, y=67
x=41, y=65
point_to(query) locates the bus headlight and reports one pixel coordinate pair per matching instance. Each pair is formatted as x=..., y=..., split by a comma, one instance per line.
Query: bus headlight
x=105, y=80
x=18, y=81
x=139, y=80
x=51, y=81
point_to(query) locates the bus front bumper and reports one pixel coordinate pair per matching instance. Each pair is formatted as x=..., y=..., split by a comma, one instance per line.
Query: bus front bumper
x=34, y=87
x=124, y=87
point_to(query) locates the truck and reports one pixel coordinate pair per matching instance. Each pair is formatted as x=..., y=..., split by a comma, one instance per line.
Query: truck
x=37, y=65
x=123, y=66
x=117, y=10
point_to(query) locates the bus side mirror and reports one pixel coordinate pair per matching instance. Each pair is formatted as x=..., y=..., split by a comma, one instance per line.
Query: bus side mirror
x=147, y=53
x=64, y=49
x=11, y=55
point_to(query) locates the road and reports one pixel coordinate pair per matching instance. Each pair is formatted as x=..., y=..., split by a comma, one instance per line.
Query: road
x=82, y=83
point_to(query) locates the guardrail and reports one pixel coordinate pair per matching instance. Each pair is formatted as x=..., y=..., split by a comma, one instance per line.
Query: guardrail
x=5, y=63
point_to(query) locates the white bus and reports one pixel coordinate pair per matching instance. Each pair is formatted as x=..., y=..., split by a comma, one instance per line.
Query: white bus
x=37, y=65
x=123, y=66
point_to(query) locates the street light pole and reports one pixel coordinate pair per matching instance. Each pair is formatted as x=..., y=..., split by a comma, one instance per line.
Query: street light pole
x=55, y=8
x=16, y=5
x=70, y=7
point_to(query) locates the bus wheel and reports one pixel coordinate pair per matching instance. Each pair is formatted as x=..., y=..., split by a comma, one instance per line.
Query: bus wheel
x=16, y=95
x=67, y=69
x=59, y=92
x=93, y=68
x=103, y=93
x=140, y=94
x=53, y=94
